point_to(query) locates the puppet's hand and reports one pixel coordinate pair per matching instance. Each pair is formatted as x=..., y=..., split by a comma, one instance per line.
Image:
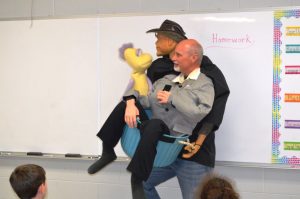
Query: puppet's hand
x=190, y=150
x=123, y=48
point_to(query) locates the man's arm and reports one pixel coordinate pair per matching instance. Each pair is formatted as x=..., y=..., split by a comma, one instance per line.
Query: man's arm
x=131, y=111
x=214, y=119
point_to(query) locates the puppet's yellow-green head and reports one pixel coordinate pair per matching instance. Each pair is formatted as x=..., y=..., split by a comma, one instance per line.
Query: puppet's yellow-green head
x=137, y=60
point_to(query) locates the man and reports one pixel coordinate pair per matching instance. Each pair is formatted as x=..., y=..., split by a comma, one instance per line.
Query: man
x=192, y=165
x=176, y=111
x=29, y=181
x=170, y=33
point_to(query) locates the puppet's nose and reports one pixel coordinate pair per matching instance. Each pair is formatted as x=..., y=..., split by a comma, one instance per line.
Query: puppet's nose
x=139, y=52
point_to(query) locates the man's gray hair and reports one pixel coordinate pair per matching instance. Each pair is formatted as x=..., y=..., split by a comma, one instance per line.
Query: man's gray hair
x=197, y=49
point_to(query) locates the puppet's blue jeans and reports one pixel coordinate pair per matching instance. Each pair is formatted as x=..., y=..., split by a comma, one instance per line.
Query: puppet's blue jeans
x=188, y=173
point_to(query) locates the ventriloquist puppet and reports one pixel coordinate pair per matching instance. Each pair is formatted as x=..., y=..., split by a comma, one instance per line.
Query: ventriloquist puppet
x=168, y=35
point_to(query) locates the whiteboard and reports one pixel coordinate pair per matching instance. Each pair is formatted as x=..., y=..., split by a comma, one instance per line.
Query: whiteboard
x=49, y=86
x=240, y=44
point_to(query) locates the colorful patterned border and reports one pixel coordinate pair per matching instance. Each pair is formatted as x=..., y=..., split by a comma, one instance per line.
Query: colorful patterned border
x=278, y=15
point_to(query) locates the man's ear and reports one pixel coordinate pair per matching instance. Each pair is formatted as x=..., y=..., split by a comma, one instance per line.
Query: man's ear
x=194, y=57
x=171, y=43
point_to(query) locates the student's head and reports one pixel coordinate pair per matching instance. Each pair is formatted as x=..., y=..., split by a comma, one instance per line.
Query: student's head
x=29, y=181
x=167, y=35
x=216, y=187
x=187, y=56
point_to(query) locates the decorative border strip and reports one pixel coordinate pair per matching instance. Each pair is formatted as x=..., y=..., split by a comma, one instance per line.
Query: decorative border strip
x=278, y=15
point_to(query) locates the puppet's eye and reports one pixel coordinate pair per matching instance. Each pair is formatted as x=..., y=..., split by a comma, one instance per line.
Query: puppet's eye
x=138, y=52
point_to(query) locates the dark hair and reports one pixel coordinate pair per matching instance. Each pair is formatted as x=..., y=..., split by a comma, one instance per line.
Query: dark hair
x=26, y=180
x=216, y=187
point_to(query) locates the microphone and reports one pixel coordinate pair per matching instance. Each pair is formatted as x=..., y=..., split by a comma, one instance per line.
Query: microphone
x=167, y=87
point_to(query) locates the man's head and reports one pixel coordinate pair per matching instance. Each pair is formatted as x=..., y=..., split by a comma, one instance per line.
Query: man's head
x=187, y=56
x=29, y=181
x=168, y=35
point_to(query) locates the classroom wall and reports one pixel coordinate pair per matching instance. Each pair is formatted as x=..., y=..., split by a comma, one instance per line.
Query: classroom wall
x=13, y=9
x=69, y=179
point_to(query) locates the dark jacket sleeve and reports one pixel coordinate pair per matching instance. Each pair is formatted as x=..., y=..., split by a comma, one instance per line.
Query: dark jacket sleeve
x=161, y=67
x=214, y=119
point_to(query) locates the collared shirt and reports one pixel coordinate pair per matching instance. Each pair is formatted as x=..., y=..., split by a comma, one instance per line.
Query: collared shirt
x=193, y=75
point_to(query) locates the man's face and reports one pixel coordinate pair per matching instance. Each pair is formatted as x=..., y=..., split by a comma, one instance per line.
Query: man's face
x=164, y=45
x=182, y=58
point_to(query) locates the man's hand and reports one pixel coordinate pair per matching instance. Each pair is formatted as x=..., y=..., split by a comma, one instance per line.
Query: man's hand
x=191, y=149
x=163, y=96
x=131, y=113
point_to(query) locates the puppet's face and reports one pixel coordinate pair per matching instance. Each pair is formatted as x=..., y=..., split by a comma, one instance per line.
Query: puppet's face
x=164, y=45
x=137, y=60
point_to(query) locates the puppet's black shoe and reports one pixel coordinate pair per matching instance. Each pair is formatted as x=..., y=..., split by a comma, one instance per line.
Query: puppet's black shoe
x=137, y=188
x=105, y=159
